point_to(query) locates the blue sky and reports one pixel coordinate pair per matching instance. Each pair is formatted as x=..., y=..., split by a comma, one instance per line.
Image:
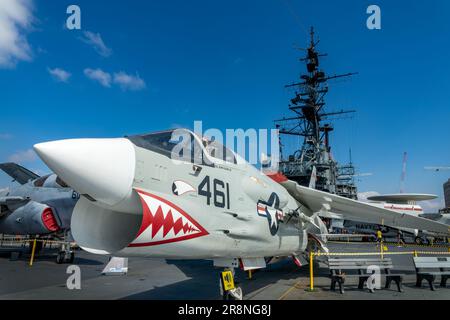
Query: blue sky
x=165, y=63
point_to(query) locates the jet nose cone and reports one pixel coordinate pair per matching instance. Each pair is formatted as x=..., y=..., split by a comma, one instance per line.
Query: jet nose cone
x=102, y=168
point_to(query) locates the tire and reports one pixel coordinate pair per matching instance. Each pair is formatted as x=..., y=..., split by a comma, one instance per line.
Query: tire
x=60, y=258
x=418, y=240
x=72, y=257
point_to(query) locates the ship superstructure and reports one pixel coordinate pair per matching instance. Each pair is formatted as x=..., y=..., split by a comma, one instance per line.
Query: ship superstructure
x=311, y=123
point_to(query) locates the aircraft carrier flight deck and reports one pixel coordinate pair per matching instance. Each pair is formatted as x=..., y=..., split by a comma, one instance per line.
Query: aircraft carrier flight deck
x=191, y=279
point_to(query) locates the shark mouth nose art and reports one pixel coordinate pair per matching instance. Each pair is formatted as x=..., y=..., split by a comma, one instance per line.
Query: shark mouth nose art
x=164, y=222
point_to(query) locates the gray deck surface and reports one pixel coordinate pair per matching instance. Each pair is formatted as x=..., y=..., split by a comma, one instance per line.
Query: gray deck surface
x=184, y=280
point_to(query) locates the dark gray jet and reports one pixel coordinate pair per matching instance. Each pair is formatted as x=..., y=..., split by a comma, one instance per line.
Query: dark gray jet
x=40, y=206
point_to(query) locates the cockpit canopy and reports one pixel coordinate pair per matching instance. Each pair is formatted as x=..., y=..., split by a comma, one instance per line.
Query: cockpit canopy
x=182, y=144
x=50, y=181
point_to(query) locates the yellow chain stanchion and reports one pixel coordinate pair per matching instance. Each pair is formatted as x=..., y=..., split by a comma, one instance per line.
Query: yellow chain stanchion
x=32, y=253
x=349, y=254
x=311, y=272
x=440, y=245
x=381, y=253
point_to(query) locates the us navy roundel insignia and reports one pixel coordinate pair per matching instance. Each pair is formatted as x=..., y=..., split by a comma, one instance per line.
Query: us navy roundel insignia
x=271, y=210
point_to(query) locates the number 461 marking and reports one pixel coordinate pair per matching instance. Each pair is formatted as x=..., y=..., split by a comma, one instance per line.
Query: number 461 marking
x=220, y=192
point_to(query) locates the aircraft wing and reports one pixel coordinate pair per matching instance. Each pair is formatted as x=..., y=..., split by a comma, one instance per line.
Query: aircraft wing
x=319, y=201
x=18, y=173
x=330, y=215
x=12, y=203
x=431, y=216
x=13, y=200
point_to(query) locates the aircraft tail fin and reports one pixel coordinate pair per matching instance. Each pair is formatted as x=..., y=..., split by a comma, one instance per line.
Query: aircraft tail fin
x=17, y=172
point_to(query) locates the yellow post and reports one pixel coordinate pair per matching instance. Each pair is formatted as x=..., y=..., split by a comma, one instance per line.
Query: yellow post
x=32, y=252
x=311, y=271
x=415, y=253
x=250, y=274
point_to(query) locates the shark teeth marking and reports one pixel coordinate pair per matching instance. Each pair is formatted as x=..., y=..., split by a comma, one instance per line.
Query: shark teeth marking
x=164, y=222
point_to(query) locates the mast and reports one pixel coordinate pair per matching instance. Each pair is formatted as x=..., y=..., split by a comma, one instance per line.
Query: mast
x=307, y=122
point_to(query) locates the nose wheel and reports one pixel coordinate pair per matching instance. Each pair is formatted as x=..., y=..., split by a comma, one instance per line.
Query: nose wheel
x=421, y=240
x=65, y=255
x=228, y=288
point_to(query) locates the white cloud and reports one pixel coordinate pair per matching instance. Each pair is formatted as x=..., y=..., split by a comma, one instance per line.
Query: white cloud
x=15, y=20
x=432, y=206
x=59, y=74
x=95, y=40
x=129, y=82
x=23, y=156
x=362, y=196
x=102, y=77
x=123, y=80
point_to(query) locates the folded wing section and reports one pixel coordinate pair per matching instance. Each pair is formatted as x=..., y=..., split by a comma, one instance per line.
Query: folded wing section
x=18, y=173
x=319, y=201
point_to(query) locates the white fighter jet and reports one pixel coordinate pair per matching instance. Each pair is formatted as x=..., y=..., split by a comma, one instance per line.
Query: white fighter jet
x=176, y=195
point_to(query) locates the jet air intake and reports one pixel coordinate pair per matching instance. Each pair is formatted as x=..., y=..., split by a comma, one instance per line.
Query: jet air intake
x=32, y=218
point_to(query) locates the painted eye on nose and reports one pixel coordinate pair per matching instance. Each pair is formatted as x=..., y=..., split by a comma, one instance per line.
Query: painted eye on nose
x=180, y=187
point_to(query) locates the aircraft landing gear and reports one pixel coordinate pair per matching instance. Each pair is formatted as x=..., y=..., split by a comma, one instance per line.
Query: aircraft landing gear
x=228, y=288
x=421, y=240
x=65, y=255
